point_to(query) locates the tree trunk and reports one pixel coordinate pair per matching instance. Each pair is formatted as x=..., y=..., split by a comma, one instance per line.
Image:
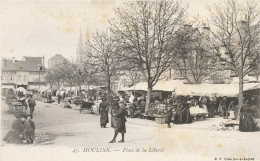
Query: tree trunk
x=108, y=88
x=70, y=91
x=240, y=95
x=148, y=98
x=240, y=90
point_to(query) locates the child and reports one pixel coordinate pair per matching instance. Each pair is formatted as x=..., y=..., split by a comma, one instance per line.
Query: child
x=28, y=130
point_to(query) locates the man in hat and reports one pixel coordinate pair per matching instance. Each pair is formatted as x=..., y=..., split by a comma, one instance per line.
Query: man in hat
x=120, y=121
x=32, y=104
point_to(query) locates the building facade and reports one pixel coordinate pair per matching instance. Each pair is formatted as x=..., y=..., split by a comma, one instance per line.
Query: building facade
x=28, y=73
x=56, y=60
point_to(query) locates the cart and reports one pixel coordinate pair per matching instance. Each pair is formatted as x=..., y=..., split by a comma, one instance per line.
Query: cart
x=17, y=107
x=86, y=106
x=198, y=116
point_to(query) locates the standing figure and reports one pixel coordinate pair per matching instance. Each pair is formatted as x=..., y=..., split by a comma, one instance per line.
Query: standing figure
x=169, y=108
x=120, y=121
x=224, y=106
x=59, y=98
x=28, y=130
x=103, y=110
x=246, y=123
x=64, y=95
x=212, y=107
x=132, y=109
x=114, y=109
x=32, y=104
x=179, y=110
x=142, y=106
x=186, y=111
x=204, y=104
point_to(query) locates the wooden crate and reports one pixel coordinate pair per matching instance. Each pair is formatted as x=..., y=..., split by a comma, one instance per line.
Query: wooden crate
x=160, y=120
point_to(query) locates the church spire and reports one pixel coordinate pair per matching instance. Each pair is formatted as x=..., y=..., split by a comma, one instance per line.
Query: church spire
x=80, y=44
x=80, y=49
x=87, y=36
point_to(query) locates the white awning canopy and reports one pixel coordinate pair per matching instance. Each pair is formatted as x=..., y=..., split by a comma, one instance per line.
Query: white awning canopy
x=177, y=86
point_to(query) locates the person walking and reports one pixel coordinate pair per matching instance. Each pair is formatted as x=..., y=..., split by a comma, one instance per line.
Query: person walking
x=120, y=121
x=59, y=98
x=103, y=110
x=32, y=104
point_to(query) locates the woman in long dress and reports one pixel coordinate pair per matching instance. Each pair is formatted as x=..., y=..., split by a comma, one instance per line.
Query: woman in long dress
x=186, y=111
x=114, y=109
x=246, y=123
x=103, y=110
x=120, y=121
x=169, y=108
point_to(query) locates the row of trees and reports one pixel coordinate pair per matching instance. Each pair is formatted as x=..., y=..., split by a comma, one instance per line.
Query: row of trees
x=149, y=37
x=69, y=73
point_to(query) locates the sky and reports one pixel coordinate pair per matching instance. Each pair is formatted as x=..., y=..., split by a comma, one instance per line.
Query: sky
x=46, y=28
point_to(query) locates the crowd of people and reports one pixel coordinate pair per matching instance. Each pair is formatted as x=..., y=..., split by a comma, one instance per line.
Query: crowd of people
x=180, y=109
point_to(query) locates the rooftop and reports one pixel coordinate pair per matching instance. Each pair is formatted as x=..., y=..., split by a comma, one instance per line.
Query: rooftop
x=26, y=64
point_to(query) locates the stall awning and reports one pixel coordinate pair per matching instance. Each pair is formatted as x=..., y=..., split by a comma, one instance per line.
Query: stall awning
x=230, y=90
x=162, y=85
x=253, y=88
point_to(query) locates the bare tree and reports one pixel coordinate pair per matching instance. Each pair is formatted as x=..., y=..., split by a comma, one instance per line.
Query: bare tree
x=50, y=78
x=67, y=73
x=195, y=59
x=237, y=33
x=134, y=76
x=102, y=52
x=54, y=77
x=146, y=33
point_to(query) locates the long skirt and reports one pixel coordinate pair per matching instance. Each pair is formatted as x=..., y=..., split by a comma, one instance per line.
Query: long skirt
x=212, y=111
x=113, y=122
x=246, y=123
x=104, y=118
x=186, y=116
x=29, y=134
x=178, y=117
x=120, y=127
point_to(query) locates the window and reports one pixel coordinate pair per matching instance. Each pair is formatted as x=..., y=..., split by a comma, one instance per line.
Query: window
x=19, y=77
x=25, y=77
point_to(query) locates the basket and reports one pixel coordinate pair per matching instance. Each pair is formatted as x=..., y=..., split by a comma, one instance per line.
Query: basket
x=160, y=119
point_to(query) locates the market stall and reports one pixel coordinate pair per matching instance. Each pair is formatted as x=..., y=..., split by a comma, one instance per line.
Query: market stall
x=219, y=90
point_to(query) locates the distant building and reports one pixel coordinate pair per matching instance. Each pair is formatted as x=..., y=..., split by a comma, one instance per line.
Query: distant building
x=28, y=73
x=56, y=60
